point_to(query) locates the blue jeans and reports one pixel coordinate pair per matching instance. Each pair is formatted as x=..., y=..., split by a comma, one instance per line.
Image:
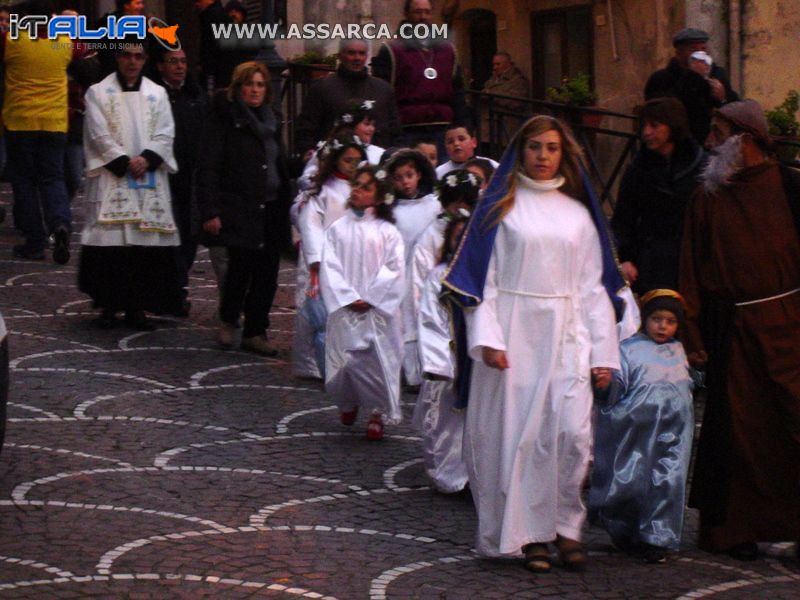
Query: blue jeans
x=36, y=171
x=73, y=169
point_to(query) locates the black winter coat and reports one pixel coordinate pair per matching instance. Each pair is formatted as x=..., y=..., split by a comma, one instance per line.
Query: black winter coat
x=328, y=98
x=232, y=182
x=693, y=91
x=649, y=215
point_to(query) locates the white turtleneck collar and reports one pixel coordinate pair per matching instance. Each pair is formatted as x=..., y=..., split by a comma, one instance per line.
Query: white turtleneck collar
x=547, y=185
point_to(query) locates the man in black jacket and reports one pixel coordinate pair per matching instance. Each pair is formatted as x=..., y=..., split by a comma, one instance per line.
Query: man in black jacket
x=218, y=57
x=351, y=83
x=189, y=109
x=699, y=95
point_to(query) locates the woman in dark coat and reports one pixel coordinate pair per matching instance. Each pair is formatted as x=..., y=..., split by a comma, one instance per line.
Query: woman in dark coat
x=242, y=192
x=648, y=217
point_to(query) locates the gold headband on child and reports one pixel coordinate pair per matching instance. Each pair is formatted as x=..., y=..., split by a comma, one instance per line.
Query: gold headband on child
x=662, y=293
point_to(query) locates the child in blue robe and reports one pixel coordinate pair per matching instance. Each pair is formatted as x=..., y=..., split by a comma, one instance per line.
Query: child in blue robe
x=643, y=436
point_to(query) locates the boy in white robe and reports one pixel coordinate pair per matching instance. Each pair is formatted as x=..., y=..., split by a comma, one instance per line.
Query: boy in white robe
x=362, y=280
x=460, y=143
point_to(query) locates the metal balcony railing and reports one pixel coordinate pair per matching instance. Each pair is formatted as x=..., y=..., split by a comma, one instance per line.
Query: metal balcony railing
x=609, y=139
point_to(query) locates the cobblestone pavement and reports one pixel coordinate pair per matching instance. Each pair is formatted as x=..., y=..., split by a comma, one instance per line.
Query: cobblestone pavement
x=154, y=465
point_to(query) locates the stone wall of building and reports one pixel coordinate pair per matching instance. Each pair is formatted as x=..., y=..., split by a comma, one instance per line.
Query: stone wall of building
x=770, y=56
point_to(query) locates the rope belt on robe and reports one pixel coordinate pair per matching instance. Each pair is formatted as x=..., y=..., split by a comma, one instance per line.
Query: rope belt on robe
x=569, y=332
x=769, y=299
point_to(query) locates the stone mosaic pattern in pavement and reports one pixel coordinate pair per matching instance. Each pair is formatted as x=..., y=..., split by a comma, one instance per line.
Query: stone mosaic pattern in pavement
x=155, y=465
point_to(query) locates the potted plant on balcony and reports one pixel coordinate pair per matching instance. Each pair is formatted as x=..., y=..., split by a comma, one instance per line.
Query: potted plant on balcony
x=577, y=92
x=319, y=64
x=784, y=127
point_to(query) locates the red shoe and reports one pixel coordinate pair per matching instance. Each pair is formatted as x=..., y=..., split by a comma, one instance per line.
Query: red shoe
x=375, y=428
x=349, y=417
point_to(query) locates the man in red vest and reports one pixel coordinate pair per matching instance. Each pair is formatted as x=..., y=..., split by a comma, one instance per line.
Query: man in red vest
x=425, y=75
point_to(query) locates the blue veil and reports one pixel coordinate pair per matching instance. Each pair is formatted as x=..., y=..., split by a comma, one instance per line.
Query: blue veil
x=465, y=276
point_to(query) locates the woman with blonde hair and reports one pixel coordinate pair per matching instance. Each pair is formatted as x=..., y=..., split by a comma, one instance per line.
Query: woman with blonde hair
x=243, y=202
x=537, y=275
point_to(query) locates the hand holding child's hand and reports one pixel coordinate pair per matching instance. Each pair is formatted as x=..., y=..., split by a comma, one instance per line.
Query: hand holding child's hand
x=496, y=359
x=313, y=284
x=698, y=359
x=601, y=376
x=360, y=306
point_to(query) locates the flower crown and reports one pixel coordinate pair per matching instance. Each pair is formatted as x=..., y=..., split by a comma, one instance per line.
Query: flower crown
x=325, y=147
x=460, y=177
x=348, y=118
x=380, y=176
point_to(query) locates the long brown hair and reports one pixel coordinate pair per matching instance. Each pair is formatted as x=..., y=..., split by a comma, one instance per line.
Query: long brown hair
x=570, y=167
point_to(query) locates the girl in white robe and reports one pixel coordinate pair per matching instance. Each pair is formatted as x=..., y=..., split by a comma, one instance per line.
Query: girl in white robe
x=416, y=208
x=323, y=205
x=362, y=281
x=458, y=193
x=357, y=120
x=544, y=328
x=435, y=414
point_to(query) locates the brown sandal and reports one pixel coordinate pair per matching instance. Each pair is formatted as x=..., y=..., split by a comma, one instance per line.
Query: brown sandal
x=537, y=558
x=572, y=554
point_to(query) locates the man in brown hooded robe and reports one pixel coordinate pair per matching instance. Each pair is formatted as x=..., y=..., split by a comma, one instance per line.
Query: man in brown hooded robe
x=740, y=276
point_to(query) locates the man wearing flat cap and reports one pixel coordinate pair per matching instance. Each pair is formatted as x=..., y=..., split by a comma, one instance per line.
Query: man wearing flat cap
x=740, y=277
x=700, y=93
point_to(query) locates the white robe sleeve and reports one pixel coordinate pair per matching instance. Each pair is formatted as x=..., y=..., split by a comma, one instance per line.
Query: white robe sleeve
x=100, y=146
x=483, y=327
x=434, y=331
x=164, y=132
x=312, y=227
x=422, y=263
x=598, y=313
x=298, y=204
x=312, y=166
x=387, y=289
x=336, y=291
x=631, y=318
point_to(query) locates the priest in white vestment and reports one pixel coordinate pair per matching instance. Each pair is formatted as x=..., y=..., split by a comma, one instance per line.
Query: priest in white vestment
x=129, y=239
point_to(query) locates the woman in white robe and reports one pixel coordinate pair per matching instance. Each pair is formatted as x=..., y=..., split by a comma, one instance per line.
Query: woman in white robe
x=544, y=328
x=324, y=204
x=362, y=281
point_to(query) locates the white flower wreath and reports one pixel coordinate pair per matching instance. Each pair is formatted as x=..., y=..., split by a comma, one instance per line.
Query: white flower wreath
x=347, y=118
x=451, y=180
x=368, y=104
x=472, y=179
x=464, y=213
x=381, y=175
x=388, y=199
